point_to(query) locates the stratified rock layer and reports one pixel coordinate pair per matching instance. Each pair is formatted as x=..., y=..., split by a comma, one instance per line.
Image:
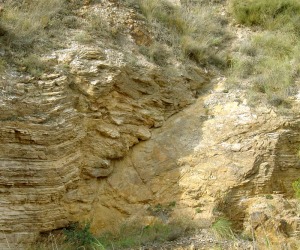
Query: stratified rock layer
x=108, y=134
x=39, y=155
x=60, y=132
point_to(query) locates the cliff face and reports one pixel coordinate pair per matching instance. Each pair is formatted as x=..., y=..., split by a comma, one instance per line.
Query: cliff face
x=62, y=132
x=113, y=133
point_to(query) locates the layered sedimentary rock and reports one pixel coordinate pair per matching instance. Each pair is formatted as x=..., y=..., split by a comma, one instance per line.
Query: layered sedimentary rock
x=108, y=134
x=60, y=131
x=40, y=133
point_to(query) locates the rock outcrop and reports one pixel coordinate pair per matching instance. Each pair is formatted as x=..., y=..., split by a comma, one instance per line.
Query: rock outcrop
x=107, y=134
x=223, y=158
x=62, y=132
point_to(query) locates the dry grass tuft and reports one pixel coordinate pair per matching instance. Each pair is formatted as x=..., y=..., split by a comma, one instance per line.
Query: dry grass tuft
x=193, y=31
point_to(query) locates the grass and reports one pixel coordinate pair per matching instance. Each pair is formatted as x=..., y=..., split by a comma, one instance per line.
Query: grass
x=30, y=30
x=81, y=237
x=160, y=209
x=269, y=197
x=130, y=236
x=222, y=227
x=33, y=65
x=267, y=63
x=3, y=65
x=156, y=53
x=192, y=32
x=198, y=210
x=188, y=33
x=83, y=37
x=296, y=187
x=26, y=21
x=269, y=14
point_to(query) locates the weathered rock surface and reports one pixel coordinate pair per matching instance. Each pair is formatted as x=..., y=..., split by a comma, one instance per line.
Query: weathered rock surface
x=224, y=158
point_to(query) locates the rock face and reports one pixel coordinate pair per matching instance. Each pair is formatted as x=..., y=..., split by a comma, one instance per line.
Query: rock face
x=61, y=134
x=221, y=157
x=115, y=133
x=40, y=131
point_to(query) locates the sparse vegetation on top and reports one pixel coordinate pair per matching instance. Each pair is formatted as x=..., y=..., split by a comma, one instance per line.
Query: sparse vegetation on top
x=193, y=31
x=269, y=14
x=32, y=28
x=26, y=22
x=267, y=63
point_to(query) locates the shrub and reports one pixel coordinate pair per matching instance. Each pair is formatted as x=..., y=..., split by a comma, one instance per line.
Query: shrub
x=83, y=37
x=162, y=210
x=268, y=64
x=82, y=237
x=156, y=53
x=269, y=197
x=198, y=210
x=33, y=65
x=2, y=65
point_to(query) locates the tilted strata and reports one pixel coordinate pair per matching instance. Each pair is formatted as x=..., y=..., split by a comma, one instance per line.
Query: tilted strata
x=61, y=130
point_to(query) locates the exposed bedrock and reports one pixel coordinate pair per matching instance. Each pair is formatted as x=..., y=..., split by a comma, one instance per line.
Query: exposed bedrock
x=108, y=134
x=220, y=157
x=61, y=133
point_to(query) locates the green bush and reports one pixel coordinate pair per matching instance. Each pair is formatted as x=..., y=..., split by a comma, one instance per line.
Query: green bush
x=2, y=65
x=198, y=210
x=269, y=197
x=162, y=209
x=157, y=53
x=33, y=65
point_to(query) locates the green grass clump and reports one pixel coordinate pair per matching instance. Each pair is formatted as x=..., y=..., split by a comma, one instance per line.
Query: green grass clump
x=33, y=65
x=270, y=14
x=3, y=65
x=223, y=228
x=269, y=64
x=296, y=187
x=30, y=28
